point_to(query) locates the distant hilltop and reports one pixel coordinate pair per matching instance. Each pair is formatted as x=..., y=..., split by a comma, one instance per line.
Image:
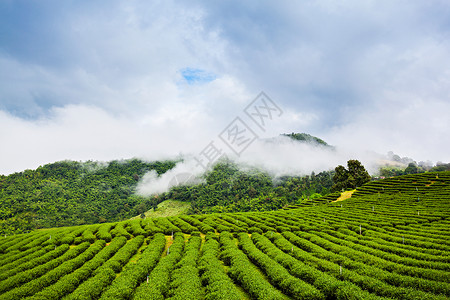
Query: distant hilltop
x=305, y=137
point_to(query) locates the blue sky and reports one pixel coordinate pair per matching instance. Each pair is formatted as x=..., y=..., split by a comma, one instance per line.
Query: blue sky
x=197, y=76
x=116, y=79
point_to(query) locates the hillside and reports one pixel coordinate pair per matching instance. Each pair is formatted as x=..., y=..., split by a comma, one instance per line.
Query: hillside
x=389, y=240
x=229, y=188
x=71, y=193
x=167, y=208
x=306, y=138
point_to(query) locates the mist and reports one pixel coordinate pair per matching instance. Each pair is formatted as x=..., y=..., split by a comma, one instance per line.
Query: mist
x=278, y=156
x=184, y=173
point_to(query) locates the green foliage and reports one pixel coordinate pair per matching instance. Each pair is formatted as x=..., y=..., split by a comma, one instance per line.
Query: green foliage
x=218, y=284
x=135, y=228
x=304, y=137
x=358, y=172
x=185, y=279
x=229, y=189
x=123, y=255
x=355, y=176
x=103, y=232
x=134, y=274
x=39, y=270
x=277, y=274
x=15, y=258
x=71, y=193
x=92, y=288
x=294, y=261
x=440, y=167
x=183, y=225
x=390, y=171
x=159, y=278
x=55, y=274
x=77, y=286
x=390, y=240
x=244, y=272
x=411, y=169
x=150, y=228
x=32, y=260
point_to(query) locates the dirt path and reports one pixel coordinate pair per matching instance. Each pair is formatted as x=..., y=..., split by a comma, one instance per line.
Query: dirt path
x=345, y=195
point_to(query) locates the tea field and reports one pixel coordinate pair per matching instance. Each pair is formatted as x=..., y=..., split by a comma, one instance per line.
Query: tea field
x=389, y=240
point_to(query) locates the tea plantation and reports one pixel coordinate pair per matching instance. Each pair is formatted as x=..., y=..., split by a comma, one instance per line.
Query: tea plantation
x=390, y=240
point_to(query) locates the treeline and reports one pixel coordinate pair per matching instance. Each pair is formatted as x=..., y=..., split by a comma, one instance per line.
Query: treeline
x=73, y=193
x=413, y=168
x=304, y=137
x=230, y=189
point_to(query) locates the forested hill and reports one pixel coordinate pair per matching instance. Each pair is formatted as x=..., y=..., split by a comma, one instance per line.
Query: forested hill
x=227, y=188
x=73, y=193
x=390, y=240
x=70, y=193
x=305, y=137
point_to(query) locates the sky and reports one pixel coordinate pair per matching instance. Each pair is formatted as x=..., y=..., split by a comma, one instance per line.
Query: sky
x=104, y=80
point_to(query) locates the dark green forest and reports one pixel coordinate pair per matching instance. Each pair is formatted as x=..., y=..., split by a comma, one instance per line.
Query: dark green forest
x=73, y=193
x=227, y=188
x=413, y=168
x=304, y=137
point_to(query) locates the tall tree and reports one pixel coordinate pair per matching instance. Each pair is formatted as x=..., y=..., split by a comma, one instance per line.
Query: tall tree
x=359, y=173
x=411, y=169
x=340, y=178
x=355, y=176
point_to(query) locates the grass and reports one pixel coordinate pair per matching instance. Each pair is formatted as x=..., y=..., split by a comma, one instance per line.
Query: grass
x=167, y=208
x=345, y=195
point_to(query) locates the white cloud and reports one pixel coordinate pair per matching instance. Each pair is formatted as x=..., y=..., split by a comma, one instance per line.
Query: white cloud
x=186, y=172
x=83, y=133
x=279, y=157
x=102, y=80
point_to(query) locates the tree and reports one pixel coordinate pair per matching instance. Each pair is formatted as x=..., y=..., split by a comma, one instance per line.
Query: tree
x=340, y=178
x=411, y=168
x=154, y=205
x=351, y=182
x=359, y=173
x=355, y=176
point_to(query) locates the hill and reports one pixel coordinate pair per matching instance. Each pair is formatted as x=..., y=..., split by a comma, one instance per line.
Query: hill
x=306, y=138
x=69, y=193
x=167, y=208
x=389, y=240
x=232, y=188
x=72, y=193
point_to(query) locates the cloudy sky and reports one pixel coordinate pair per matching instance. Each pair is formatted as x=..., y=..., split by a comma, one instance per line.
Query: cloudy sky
x=110, y=79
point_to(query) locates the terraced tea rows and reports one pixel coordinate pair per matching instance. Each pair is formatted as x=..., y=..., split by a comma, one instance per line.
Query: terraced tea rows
x=391, y=239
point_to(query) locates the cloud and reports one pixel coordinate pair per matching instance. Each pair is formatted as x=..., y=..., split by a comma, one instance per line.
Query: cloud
x=186, y=172
x=284, y=156
x=111, y=80
x=278, y=157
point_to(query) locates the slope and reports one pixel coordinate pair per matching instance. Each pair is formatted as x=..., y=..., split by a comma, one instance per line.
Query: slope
x=390, y=240
x=71, y=193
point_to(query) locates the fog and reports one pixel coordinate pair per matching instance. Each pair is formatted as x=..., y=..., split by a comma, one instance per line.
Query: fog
x=278, y=156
